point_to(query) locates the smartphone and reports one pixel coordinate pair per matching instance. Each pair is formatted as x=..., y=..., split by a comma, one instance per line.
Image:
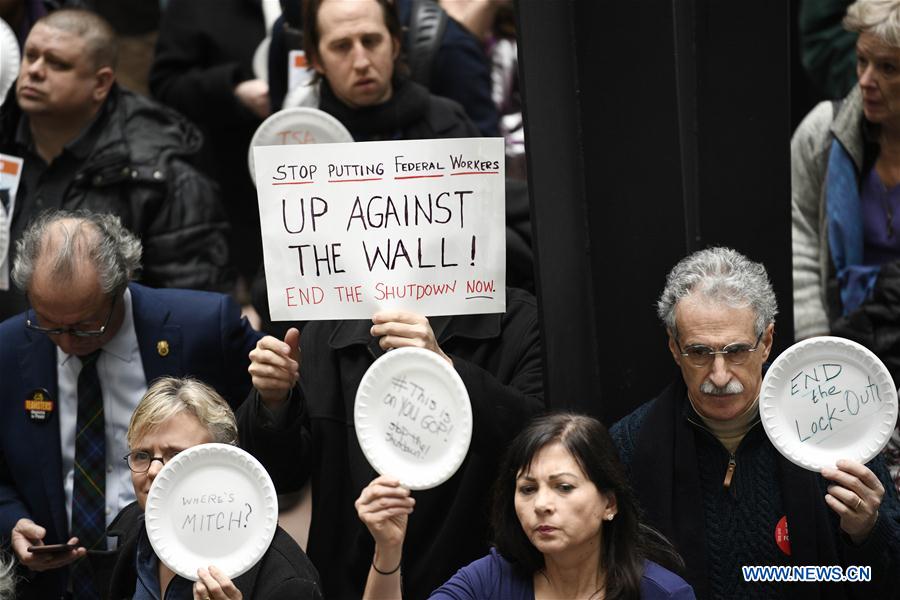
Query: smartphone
x=52, y=548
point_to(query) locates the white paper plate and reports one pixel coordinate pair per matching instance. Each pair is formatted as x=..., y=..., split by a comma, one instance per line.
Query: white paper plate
x=9, y=58
x=4, y=235
x=212, y=504
x=301, y=125
x=413, y=417
x=828, y=398
x=261, y=59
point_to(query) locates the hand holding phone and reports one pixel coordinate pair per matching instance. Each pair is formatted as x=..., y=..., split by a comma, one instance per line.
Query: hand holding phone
x=27, y=543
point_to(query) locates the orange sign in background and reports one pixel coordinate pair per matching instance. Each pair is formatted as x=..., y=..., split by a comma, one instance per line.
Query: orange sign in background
x=8, y=167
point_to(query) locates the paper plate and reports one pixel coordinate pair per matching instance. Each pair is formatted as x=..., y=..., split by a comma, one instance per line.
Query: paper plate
x=212, y=504
x=4, y=235
x=413, y=417
x=828, y=398
x=304, y=95
x=301, y=125
x=9, y=58
x=261, y=59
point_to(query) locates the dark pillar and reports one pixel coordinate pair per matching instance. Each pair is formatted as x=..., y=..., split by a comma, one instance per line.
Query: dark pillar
x=654, y=128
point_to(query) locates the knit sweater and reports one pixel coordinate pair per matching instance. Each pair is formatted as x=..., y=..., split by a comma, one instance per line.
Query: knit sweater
x=740, y=521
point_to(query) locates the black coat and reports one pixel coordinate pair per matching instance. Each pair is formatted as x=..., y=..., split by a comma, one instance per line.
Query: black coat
x=411, y=113
x=205, y=49
x=283, y=573
x=138, y=169
x=498, y=357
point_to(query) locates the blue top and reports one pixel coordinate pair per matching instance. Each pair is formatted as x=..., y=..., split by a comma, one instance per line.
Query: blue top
x=147, y=567
x=881, y=237
x=492, y=577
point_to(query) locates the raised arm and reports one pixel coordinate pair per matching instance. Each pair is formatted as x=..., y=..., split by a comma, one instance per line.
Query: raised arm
x=384, y=506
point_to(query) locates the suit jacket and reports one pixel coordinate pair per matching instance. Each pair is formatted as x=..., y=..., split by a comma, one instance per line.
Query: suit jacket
x=206, y=338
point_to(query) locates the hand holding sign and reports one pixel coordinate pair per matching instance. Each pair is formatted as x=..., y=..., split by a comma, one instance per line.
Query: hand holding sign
x=275, y=366
x=213, y=584
x=400, y=329
x=384, y=506
x=855, y=497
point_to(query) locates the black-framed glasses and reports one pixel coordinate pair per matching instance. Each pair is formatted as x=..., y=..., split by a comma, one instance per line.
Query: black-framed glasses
x=139, y=461
x=734, y=354
x=84, y=333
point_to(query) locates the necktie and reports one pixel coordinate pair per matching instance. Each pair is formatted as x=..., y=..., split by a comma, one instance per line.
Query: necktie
x=89, y=485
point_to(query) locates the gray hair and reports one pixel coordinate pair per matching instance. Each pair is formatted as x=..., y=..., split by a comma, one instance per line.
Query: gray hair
x=878, y=17
x=101, y=239
x=723, y=275
x=169, y=396
x=8, y=577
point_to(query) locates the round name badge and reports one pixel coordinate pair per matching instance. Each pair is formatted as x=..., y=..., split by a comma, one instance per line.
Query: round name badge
x=782, y=538
x=39, y=405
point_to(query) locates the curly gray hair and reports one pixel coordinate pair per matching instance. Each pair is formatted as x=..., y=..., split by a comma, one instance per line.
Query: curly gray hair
x=878, y=17
x=8, y=576
x=723, y=275
x=99, y=238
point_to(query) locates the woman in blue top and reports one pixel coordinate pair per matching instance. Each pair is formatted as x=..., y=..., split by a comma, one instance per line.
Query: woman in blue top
x=565, y=526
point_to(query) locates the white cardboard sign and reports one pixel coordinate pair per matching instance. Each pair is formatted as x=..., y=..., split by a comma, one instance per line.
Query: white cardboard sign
x=350, y=229
x=10, y=175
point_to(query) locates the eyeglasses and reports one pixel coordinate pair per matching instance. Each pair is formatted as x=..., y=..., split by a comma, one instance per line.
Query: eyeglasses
x=139, y=461
x=734, y=354
x=83, y=333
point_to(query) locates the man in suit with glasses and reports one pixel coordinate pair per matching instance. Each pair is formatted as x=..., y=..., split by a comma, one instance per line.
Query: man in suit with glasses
x=73, y=368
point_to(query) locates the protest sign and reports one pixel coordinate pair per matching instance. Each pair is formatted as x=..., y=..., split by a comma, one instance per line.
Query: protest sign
x=413, y=417
x=213, y=504
x=10, y=175
x=828, y=398
x=350, y=229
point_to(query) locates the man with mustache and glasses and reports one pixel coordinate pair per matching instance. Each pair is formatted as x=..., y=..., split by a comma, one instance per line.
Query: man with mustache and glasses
x=709, y=478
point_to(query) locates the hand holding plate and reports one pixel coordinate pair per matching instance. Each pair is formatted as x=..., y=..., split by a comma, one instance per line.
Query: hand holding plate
x=275, y=366
x=401, y=329
x=27, y=533
x=855, y=497
x=384, y=506
x=213, y=584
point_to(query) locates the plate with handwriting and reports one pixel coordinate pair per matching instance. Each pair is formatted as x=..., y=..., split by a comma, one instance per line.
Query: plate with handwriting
x=828, y=398
x=212, y=504
x=413, y=417
x=299, y=125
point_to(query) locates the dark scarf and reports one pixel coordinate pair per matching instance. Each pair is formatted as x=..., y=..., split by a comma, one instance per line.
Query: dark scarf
x=385, y=121
x=671, y=497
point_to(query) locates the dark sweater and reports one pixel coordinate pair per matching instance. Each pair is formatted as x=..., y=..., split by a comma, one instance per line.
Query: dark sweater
x=740, y=521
